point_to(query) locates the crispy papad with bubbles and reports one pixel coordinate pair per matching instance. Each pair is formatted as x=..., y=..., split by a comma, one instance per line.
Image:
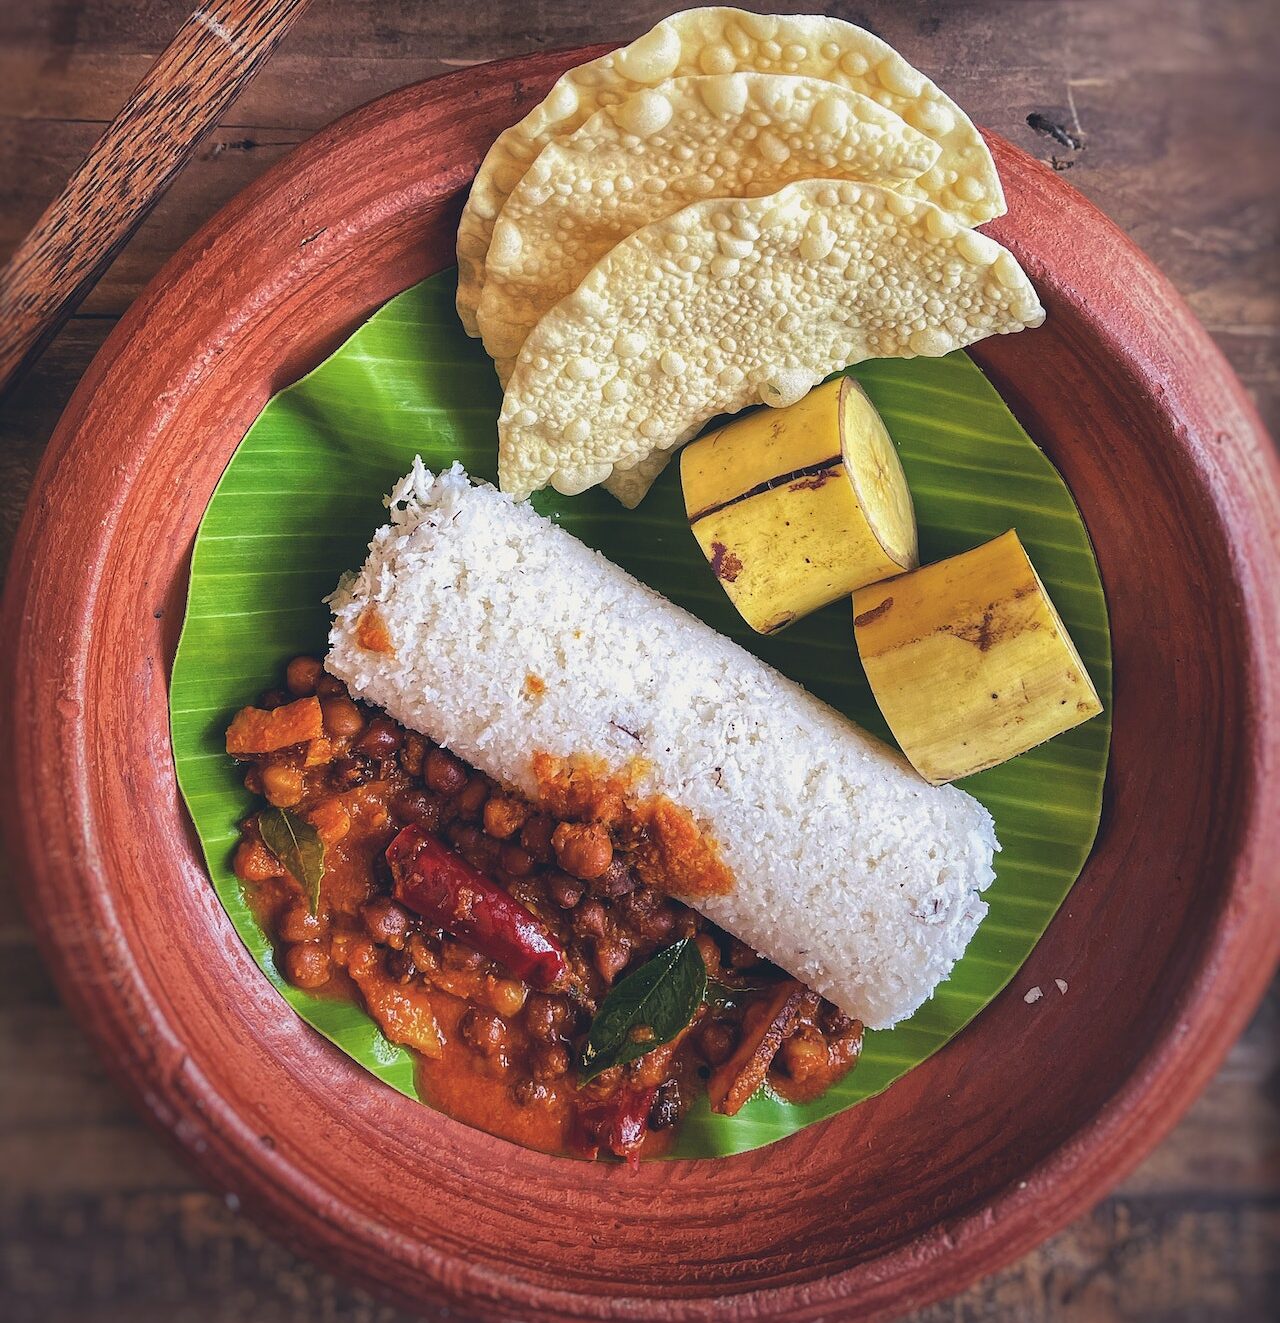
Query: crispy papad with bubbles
x=733, y=302
x=721, y=40
x=686, y=140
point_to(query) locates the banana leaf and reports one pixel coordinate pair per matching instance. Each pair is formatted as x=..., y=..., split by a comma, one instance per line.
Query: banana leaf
x=303, y=494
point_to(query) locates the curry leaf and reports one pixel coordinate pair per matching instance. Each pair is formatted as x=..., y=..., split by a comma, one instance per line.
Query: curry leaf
x=647, y=1009
x=297, y=844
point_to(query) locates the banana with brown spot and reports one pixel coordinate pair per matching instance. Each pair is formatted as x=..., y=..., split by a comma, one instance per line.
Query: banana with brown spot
x=970, y=662
x=796, y=508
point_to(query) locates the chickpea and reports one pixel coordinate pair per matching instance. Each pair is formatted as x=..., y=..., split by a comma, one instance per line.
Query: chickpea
x=710, y=953
x=424, y=957
x=635, y=906
x=386, y=922
x=381, y=738
x=591, y=919
x=444, y=773
x=611, y=957
x=549, y=1063
x=536, y=835
x=298, y=924
x=307, y=965
x=486, y=1032
x=348, y=949
x=342, y=718
x=329, y=686
x=804, y=1053
x=503, y=816
x=515, y=860
x=459, y=956
x=472, y=797
x=566, y=891
x=716, y=1042
x=282, y=784
x=656, y=924
x=255, y=863
x=583, y=849
x=412, y=753
x=483, y=855
x=464, y=836
x=253, y=781
x=416, y=806
x=506, y=995
x=545, y=1017
x=302, y=675
x=616, y=880
x=526, y=1092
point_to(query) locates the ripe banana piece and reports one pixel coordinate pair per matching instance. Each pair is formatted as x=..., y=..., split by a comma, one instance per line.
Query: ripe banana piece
x=970, y=662
x=797, y=507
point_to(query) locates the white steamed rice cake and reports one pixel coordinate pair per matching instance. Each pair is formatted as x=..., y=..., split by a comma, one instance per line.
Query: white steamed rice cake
x=848, y=869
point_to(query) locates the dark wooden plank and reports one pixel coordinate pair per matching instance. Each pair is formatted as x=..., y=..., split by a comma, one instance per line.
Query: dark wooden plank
x=212, y=57
x=26, y=419
x=1172, y=101
x=228, y=160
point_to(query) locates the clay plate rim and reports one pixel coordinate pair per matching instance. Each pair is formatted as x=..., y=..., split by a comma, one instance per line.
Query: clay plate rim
x=68, y=812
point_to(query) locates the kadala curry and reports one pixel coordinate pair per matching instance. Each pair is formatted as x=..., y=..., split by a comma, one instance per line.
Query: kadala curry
x=549, y=993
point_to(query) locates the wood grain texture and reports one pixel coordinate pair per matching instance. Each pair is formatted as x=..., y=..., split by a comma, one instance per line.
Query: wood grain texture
x=207, y=65
x=1126, y=393
x=96, y=1220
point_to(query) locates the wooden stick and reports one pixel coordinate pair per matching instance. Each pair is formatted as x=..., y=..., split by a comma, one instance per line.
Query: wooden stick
x=210, y=61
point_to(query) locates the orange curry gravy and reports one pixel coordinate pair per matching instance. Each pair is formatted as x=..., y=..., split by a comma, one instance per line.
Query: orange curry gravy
x=492, y=1050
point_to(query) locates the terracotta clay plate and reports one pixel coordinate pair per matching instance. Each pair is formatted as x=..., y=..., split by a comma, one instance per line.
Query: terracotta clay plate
x=1166, y=942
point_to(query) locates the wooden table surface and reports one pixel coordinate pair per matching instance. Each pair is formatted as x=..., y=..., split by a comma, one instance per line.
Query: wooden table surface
x=1164, y=113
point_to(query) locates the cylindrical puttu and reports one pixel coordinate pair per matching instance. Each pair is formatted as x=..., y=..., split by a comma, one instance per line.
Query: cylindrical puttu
x=848, y=869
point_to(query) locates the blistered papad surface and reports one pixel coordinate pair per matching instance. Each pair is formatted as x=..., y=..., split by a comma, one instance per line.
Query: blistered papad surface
x=734, y=302
x=688, y=139
x=718, y=41
x=631, y=486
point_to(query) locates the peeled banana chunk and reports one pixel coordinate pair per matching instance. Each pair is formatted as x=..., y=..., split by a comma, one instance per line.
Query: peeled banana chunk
x=970, y=662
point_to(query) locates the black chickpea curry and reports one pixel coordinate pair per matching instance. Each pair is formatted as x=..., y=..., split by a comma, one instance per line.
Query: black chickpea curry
x=552, y=993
